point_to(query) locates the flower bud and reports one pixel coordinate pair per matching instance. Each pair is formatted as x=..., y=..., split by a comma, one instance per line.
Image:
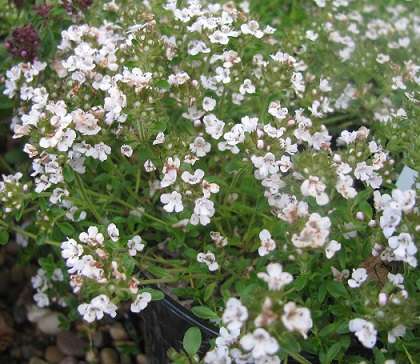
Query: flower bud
x=382, y=299
x=260, y=144
x=372, y=223
x=360, y=216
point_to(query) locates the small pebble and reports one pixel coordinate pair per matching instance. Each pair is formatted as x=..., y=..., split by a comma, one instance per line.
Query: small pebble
x=36, y=360
x=70, y=344
x=69, y=360
x=53, y=355
x=141, y=359
x=98, y=339
x=50, y=323
x=30, y=351
x=108, y=356
x=118, y=332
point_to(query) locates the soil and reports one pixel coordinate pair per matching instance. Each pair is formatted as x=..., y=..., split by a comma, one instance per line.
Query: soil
x=30, y=335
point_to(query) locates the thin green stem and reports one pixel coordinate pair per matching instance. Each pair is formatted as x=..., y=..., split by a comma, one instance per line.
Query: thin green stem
x=87, y=199
x=126, y=204
x=408, y=354
x=6, y=165
x=174, y=279
x=26, y=233
x=299, y=358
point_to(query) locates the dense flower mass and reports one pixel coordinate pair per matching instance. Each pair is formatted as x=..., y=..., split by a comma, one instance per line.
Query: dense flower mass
x=192, y=144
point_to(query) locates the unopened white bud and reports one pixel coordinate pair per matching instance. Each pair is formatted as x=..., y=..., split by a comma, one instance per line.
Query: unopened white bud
x=382, y=299
x=197, y=123
x=337, y=158
x=360, y=216
x=372, y=223
x=260, y=144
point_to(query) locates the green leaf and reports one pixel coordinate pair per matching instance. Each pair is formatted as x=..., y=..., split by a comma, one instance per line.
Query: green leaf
x=291, y=345
x=68, y=173
x=204, y=312
x=337, y=289
x=128, y=264
x=156, y=294
x=208, y=293
x=333, y=351
x=163, y=84
x=343, y=328
x=322, y=291
x=366, y=208
x=4, y=237
x=158, y=271
x=234, y=166
x=300, y=282
x=329, y=329
x=192, y=341
x=66, y=228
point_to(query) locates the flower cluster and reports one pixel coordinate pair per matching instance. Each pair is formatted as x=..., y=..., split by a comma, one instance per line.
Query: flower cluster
x=262, y=183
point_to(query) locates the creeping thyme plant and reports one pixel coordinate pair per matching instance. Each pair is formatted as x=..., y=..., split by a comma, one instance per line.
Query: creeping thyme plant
x=251, y=167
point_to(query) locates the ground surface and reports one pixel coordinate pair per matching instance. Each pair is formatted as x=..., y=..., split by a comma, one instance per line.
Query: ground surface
x=112, y=341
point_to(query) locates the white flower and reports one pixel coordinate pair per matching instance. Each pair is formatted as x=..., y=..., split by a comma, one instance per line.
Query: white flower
x=404, y=248
x=252, y=28
x=403, y=200
x=160, y=138
x=193, y=179
x=209, y=103
x=209, y=259
x=134, y=245
x=235, y=314
x=71, y=251
x=214, y=126
x=247, y=87
x=267, y=244
x=277, y=111
x=149, y=166
x=223, y=75
x=297, y=318
x=172, y=202
x=141, y=302
x=389, y=221
x=96, y=308
x=331, y=248
x=275, y=278
x=126, y=150
x=358, y=277
x=249, y=124
x=260, y=343
x=236, y=135
x=365, y=332
x=99, y=151
x=200, y=147
x=314, y=234
x=113, y=232
x=219, y=355
x=203, y=210
x=41, y=299
x=93, y=237
x=315, y=187
x=266, y=165
x=397, y=331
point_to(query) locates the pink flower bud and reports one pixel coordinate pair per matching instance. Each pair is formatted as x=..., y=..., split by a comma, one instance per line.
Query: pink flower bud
x=260, y=144
x=372, y=223
x=360, y=216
